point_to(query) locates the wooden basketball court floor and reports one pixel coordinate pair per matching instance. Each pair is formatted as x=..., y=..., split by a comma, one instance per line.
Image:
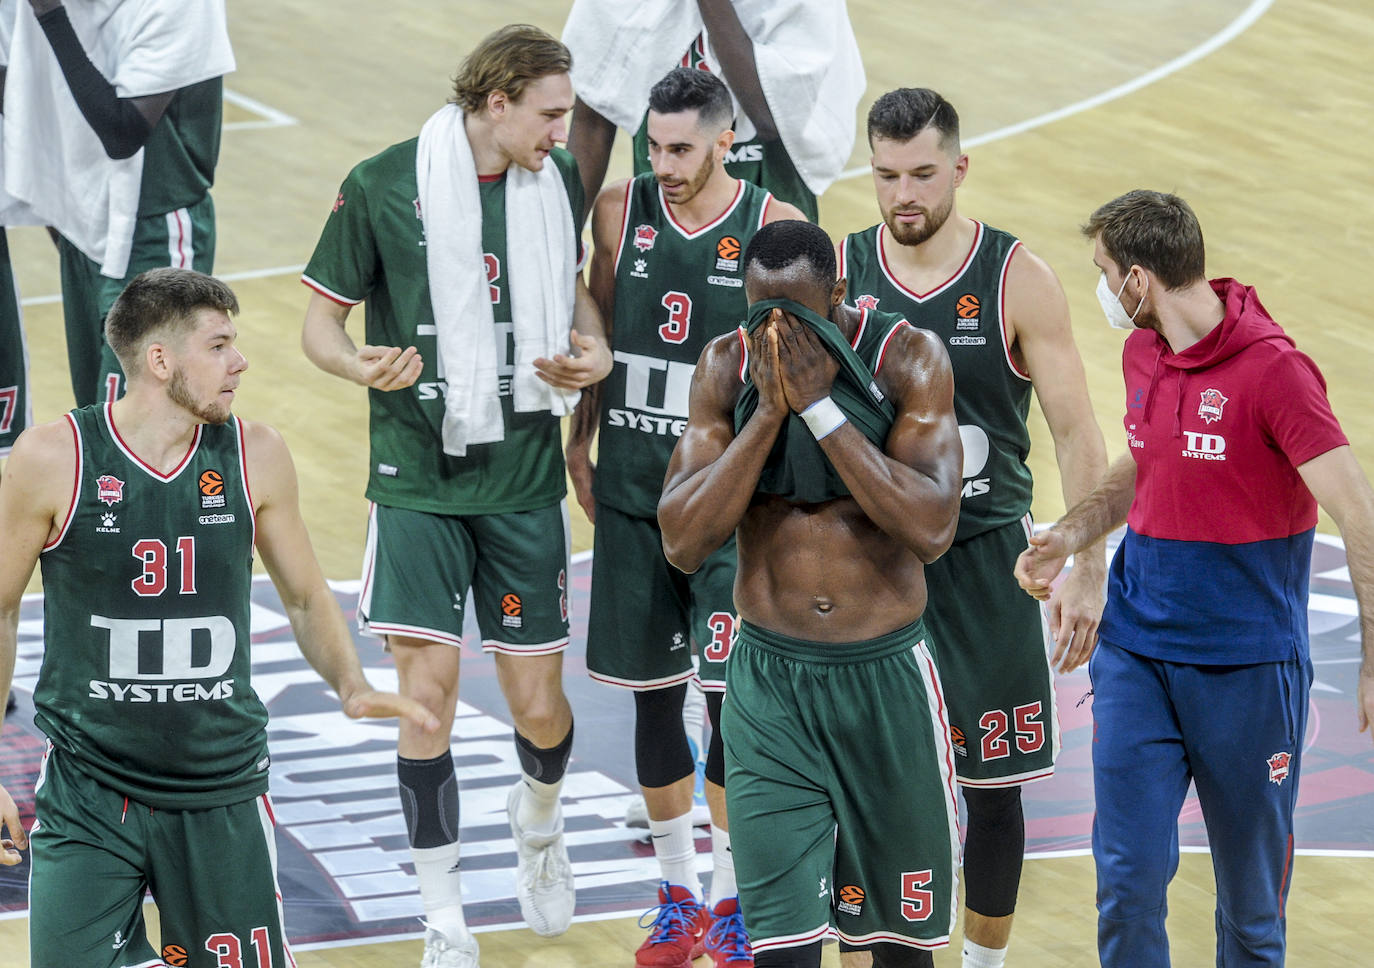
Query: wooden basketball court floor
x=1253, y=111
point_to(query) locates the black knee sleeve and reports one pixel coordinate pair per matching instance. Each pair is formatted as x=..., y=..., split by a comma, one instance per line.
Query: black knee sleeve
x=544, y=765
x=993, y=850
x=715, y=750
x=662, y=756
x=807, y=956
x=429, y=800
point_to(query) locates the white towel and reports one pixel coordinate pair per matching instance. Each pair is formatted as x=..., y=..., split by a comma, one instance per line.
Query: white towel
x=541, y=257
x=12, y=211
x=807, y=57
x=54, y=161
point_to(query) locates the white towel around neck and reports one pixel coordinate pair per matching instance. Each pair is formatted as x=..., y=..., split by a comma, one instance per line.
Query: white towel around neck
x=541, y=256
x=807, y=58
x=53, y=160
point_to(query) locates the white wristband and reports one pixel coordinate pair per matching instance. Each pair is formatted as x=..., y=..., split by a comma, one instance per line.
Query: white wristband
x=823, y=417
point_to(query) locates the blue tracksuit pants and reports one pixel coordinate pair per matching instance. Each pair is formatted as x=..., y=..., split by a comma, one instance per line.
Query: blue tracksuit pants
x=1236, y=732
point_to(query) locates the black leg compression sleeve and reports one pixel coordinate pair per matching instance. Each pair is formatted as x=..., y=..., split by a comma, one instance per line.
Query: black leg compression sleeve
x=429, y=800
x=715, y=750
x=993, y=850
x=546, y=766
x=662, y=756
x=807, y=956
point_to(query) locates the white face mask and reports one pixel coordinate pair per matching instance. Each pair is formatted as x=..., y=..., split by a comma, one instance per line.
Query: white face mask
x=1111, y=304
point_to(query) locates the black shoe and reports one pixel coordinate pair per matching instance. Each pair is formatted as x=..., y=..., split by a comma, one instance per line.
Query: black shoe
x=10, y=703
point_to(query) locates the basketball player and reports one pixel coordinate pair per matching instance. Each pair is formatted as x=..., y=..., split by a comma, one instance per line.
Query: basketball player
x=826, y=435
x=463, y=243
x=791, y=143
x=1203, y=671
x=666, y=270
x=16, y=406
x=148, y=87
x=145, y=514
x=1004, y=320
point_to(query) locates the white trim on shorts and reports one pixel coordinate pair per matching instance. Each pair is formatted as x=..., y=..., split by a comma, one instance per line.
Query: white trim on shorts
x=269, y=824
x=823, y=933
x=944, y=748
x=646, y=685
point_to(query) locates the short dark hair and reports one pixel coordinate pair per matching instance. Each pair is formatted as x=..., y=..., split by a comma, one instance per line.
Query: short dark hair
x=792, y=242
x=508, y=60
x=692, y=89
x=161, y=300
x=902, y=114
x=1155, y=231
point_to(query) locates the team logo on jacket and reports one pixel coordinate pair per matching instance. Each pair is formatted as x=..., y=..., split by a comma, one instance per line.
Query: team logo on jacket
x=109, y=489
x=644, y=237
x=967, y=308
x=866, y=301
x=1210, y=408
x=1278, y=767
x=338, y=203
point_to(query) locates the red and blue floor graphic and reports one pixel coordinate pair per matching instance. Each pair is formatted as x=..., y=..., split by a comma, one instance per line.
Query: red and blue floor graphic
x=343, y=861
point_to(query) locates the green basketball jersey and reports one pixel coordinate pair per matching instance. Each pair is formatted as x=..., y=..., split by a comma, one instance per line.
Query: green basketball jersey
x=180, y=156
x=763, y=163
x=675, y=291
x=373, y=248
x=991, y=393
x=145, y=677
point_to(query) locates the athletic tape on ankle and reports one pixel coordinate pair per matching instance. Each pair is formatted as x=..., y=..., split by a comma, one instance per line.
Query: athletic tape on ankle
x=823, y=417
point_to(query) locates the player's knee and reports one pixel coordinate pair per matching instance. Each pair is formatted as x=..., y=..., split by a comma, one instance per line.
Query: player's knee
x=993, y=850
x=662, y=755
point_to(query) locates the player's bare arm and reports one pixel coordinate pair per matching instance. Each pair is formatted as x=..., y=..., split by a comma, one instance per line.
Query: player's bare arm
x=591, y=135
x=736, y=51
x=1042, y=341
x=35, y=493
x=713, y=473
x=316, y=621
x=778, y=210
x=607, y=213
x=910, y=490
x=1086, y=523
x=327, y=344
x=589, y=360
x=1341, y=488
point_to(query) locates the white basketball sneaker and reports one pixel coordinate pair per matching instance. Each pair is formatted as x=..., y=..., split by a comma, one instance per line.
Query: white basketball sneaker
x=543, y=875
x=440, y=952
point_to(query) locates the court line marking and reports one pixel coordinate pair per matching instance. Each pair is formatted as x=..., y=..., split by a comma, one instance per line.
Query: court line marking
x=1218, y=40
x=271, y=117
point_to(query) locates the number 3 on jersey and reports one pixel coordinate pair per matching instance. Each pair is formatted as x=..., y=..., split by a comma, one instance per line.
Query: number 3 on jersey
x=723, y=628
x=679, y=306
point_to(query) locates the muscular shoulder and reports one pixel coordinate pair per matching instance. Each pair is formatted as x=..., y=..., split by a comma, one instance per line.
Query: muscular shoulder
x=1031, y=285
x=268, y=461
x=42, y=466
x=779, y=210
x=719, y=368
x=915, y=360
x=608, y=211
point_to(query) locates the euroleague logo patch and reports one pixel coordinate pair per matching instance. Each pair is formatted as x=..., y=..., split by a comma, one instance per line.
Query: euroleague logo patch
x=956, y=739
x=512, y=610
x=850, y=899
x=211, y=484
x=727, y=254
x=174, y=955
x=968, y=309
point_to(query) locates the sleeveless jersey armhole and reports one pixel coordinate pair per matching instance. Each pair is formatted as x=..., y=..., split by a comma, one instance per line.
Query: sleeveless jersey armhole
x=76, y=486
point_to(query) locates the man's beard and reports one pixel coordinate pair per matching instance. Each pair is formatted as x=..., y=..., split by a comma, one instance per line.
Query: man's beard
x=907, y=234
x=179, y=393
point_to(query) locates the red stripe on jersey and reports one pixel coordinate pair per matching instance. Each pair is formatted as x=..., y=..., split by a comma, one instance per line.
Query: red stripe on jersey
x=76, y=487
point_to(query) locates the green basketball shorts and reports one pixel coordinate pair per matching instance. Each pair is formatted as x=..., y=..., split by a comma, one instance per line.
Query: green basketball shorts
x=839, y=780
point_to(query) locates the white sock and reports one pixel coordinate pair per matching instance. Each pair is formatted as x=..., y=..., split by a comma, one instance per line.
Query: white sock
x=976, y=956
x=723, y=866
x=539, y=811
x=441, y=890
x=676, y=850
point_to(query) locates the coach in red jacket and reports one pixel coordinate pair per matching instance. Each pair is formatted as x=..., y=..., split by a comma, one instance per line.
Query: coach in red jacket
x=1202, y=669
